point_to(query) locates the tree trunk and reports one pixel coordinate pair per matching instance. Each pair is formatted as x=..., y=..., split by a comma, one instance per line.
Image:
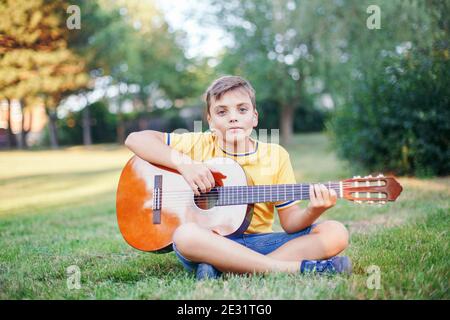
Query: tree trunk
x=19, y=140
x=52, y=129
x=10, y=137
x=30, y=122
x=87, y=132
x=120, y=131
x=23, y=133
x=287, y=124
x=120, y=125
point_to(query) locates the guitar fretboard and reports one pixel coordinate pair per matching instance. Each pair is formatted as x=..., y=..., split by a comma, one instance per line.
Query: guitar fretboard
x=235, y=195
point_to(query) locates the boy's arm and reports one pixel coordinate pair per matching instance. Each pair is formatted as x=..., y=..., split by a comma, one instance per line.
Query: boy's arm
x=149, y=145
x=294, y=219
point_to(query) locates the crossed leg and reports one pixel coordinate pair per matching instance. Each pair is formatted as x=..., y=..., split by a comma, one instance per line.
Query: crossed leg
x=201, y=245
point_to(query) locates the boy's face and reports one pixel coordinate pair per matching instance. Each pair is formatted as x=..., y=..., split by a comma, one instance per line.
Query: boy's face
x=233, y=116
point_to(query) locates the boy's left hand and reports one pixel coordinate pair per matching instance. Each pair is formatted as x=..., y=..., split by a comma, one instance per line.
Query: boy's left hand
x=321, y=198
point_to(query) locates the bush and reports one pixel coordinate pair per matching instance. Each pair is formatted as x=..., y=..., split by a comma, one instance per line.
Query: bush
x=397, y=119
x=306, y=118
x=103, y=125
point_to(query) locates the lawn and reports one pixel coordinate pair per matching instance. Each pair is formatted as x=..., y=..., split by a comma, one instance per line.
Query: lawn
x=57, y=210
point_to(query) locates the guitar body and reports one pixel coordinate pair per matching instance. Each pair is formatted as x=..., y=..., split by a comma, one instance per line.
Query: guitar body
x=148, y=215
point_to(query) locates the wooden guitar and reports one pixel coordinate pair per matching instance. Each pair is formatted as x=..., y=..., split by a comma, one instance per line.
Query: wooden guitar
x=152, y=200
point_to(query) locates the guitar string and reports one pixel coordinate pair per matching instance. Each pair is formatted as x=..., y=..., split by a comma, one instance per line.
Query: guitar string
x=235, y=189
x=270, y=187
x=208, y=196
x=234, y=194
x=254, y=189
x=326, y=184
x=183, y=205
x=206, y=199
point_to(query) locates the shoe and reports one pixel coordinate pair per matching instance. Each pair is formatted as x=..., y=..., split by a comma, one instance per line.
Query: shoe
x=335, y=265
x=207, y=271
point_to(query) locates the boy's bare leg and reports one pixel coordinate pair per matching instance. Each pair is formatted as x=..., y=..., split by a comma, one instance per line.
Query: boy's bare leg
x=326, y=240
x=201, y=245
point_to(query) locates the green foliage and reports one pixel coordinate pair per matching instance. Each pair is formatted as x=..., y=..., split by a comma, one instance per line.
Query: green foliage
x=392, y=94
x=34, y=58
x=134, y=45
x=103, y=125
x=279, y=46
x=306, y=119
x=398, y=116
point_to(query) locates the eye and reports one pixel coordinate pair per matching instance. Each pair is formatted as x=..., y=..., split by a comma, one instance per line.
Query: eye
x=243, y=109
x=221, y=113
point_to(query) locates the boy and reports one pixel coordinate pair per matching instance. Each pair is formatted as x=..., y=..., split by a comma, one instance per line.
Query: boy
x=303, y=247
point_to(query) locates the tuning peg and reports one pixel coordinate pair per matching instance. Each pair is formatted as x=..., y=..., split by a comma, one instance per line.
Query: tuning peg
x=370, y=202
x=358, y=201
x=369, y=176
x=380, y=175
x=356, y=177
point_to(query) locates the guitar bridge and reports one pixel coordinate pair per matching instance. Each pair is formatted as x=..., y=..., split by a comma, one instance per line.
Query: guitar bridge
x=157, y=199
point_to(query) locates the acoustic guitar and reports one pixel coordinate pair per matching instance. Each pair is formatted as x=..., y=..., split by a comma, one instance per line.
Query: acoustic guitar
x=152, y=200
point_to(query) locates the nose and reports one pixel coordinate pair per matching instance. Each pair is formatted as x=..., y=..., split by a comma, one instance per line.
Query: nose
x=233, y=117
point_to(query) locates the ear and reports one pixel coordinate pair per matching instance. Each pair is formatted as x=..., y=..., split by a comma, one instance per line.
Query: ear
x=255, y=118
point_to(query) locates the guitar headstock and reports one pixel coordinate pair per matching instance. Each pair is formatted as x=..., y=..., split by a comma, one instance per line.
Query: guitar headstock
x=368, y=189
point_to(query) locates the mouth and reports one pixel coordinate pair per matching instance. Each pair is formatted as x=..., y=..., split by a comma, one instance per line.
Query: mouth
x=235, y=128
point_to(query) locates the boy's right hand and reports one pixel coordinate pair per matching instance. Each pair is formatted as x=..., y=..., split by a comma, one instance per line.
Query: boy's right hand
x=198, y=176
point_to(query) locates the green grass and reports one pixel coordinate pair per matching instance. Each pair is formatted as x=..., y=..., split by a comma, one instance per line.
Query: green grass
x=57, y=209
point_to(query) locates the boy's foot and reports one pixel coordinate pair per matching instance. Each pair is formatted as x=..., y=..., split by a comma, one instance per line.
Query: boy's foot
x=207, y=271
x=329, y=266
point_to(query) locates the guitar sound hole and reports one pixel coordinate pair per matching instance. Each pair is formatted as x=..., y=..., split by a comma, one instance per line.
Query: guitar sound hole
x=207, y=200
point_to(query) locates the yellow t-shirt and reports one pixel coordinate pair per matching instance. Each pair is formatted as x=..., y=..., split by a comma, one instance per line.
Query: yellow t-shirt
x=268, y=164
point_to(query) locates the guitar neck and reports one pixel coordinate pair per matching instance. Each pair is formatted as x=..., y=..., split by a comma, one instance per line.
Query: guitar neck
x=235, y=195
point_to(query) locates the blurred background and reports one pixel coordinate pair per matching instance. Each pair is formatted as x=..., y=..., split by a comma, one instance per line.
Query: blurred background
x=88, y=72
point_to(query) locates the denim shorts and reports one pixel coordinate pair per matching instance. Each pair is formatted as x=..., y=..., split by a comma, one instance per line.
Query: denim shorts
x=263, y=243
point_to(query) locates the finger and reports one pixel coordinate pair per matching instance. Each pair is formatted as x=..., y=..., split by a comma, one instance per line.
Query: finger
x=211, y=179
x=195, y=188
x=333, y=195
x=325, y=194
x=201, y=185
x=318, y=194
x=312, y=196
x=207, y=183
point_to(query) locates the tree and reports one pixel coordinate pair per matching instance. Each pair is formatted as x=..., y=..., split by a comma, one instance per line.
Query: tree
x=34, y=57
x=394, y=115
x=278, y=46
x=130, y=42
